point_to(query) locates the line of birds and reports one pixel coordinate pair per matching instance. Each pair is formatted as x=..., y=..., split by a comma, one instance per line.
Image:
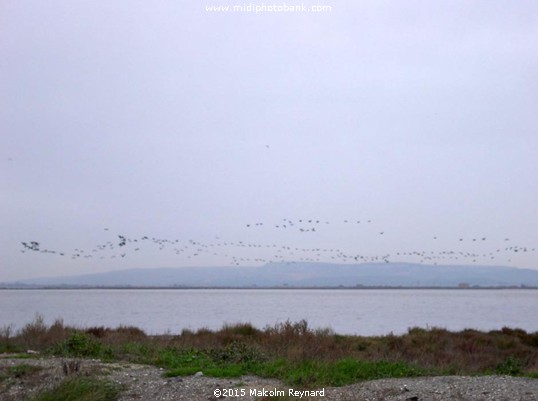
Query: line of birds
x=241, y=252
x=303, y=225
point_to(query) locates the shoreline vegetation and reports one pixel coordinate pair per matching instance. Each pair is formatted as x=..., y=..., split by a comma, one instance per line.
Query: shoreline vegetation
x=291, y=352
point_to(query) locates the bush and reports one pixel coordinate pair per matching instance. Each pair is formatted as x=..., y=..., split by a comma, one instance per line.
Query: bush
x=6, y=343
x=37, y=335
x=80, y=344
x=510, y=366
x=236, y=352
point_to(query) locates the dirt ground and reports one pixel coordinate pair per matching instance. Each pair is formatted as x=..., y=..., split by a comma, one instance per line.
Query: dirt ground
x=140, y=382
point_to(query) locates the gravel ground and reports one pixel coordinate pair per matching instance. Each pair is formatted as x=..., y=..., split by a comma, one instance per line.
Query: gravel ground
x=147, y=383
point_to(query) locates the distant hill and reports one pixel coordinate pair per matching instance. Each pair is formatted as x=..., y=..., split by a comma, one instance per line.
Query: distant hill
x=301, y=275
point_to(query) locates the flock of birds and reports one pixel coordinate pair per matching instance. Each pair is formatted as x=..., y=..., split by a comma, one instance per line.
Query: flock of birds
x=254, y=252
x=306, y=225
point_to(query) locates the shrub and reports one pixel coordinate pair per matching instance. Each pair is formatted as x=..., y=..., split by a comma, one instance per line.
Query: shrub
x=236, y=352
x=6, y=343
x=511, y=366
x=81, y=344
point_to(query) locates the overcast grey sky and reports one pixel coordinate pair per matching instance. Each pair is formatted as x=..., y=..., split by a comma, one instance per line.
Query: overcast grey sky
x=160, y=119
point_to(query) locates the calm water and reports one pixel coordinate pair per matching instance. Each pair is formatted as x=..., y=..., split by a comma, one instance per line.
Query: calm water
x=367, y=312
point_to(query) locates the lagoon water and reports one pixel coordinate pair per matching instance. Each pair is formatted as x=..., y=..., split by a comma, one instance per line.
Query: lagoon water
x=363, y=312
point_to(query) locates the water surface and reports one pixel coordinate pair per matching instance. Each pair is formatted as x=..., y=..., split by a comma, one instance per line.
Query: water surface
x=365, y=312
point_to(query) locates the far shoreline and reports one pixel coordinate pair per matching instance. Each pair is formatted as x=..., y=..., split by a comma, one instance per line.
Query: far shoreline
x=283, y=287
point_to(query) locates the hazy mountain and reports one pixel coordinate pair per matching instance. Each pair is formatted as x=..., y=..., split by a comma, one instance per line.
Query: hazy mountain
x=302, y=274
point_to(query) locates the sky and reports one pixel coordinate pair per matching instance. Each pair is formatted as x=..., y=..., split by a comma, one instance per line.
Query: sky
x=163, y=134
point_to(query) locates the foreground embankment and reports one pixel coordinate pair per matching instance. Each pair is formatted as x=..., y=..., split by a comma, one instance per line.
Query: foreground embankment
x=432, y=363
x=43, y=379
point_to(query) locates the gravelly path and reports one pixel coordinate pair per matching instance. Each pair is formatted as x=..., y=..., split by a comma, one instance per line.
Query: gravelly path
x=147, y=383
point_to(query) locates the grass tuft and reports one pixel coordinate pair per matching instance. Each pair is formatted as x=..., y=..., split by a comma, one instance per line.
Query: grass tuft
x=19, y=371
x=81, y=388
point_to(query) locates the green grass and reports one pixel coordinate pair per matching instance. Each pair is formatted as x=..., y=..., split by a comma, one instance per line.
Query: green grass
x=19, y=371
x=81, y=389
x=7, y=348
x=306, y=373
x=232, y=361
x=19, y=355
x=313, y=373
